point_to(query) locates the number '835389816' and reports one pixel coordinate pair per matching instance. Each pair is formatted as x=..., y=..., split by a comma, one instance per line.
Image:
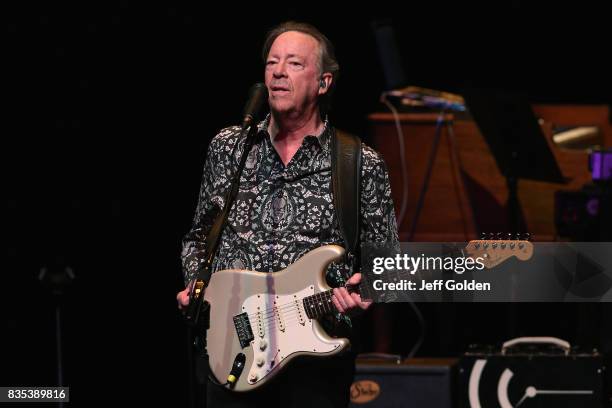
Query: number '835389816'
x=34, y=393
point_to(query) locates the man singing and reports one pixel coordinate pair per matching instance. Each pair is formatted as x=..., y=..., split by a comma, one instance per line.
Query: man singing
x=284, y=208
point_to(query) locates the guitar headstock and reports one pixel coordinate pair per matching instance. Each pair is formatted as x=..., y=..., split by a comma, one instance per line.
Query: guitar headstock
x=496, y=251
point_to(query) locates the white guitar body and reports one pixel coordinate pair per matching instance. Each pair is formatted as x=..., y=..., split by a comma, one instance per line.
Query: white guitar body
x=272, y=305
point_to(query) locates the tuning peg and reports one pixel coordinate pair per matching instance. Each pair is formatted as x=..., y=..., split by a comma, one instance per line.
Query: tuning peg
x=509, y=236
x=500, y=236
x=527, y=236
x=483, y=236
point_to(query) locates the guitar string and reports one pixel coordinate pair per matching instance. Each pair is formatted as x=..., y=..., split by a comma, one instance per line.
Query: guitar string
x=275, y=324
x=321, y=296
x=271, y=313
x=293, y=310
x=289, y=309
x=289, y=312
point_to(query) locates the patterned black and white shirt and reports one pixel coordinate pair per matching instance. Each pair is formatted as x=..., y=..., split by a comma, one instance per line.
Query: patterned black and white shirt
x=282, y=212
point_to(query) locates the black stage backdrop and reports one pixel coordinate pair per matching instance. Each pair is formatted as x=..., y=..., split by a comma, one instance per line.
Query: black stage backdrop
x=108, y=110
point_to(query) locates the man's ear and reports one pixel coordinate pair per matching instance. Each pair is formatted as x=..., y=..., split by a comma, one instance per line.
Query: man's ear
x=325, y=82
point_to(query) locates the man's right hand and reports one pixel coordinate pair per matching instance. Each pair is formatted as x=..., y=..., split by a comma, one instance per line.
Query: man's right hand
x=182, y=298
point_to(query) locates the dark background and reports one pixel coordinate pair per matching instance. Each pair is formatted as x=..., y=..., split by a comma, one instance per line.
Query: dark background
x=108, y=110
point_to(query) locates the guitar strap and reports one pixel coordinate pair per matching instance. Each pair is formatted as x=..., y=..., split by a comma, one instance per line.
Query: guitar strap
x=346, y=187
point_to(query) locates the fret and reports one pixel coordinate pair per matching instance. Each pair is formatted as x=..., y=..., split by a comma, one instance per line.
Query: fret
x=328, y=302
x=318, y=304
x=313, y=307
x=307, y=307
x=321, y=303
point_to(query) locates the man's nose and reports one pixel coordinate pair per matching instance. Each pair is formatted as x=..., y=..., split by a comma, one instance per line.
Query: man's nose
x=280, y=70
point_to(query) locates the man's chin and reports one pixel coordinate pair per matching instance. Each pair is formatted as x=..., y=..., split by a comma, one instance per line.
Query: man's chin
x=282, y=107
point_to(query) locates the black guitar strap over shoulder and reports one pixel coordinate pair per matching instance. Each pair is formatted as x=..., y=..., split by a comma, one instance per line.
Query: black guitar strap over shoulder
x=346, y=185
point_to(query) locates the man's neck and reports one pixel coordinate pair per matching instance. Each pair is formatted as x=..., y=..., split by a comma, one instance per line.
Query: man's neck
x=287, y=133
x=290, y=129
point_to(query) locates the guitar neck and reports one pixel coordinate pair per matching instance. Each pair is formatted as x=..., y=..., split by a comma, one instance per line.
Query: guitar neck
x=320, y=304
x=490, y=252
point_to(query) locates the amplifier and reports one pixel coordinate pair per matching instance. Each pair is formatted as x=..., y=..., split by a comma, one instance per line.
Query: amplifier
x=409, y=383
x=527, y=376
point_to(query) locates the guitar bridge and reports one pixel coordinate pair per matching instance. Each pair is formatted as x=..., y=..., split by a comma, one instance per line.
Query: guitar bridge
x=243, y=329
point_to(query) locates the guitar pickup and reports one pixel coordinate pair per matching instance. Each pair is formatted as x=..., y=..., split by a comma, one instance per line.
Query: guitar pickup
x=260, y=324
x=279, y=319
x=301, y=319
x=243, y=329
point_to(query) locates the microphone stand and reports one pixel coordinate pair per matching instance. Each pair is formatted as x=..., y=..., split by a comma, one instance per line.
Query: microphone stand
x=197, y=313
x=257, y=95
x=58, y=277
x=192, y=314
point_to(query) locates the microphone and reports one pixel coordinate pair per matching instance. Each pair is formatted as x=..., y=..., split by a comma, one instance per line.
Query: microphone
x=258, y=94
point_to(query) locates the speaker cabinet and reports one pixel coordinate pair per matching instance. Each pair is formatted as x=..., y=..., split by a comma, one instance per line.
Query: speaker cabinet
x=411, y=383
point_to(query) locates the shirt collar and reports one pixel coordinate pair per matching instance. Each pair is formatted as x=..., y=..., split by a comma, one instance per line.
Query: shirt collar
x=322, y=138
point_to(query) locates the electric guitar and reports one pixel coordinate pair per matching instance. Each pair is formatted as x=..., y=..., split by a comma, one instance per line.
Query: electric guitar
x=260, y=322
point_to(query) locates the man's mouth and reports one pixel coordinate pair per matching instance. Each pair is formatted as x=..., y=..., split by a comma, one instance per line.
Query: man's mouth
x=279, y=89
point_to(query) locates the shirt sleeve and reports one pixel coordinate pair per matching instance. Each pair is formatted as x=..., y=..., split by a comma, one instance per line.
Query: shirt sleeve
x=378, y=222
x=194, y=242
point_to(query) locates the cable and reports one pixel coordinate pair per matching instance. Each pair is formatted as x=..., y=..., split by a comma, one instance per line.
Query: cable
x=422, y=332
x=404, y=207
x=402, y=154
x=425, y=185
x=457, y=174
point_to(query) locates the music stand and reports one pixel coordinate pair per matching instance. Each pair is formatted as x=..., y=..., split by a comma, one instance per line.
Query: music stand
x=515, y=139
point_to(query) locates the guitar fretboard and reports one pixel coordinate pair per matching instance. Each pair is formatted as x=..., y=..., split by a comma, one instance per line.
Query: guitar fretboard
x=321, y=303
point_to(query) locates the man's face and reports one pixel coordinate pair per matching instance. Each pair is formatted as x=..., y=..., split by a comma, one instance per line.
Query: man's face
x=292, y=72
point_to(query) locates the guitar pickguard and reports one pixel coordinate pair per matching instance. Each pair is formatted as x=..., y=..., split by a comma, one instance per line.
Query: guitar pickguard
x=280, y=329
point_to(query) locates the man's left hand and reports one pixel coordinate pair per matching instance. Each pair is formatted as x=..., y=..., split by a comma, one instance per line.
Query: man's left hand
x=350, y=303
